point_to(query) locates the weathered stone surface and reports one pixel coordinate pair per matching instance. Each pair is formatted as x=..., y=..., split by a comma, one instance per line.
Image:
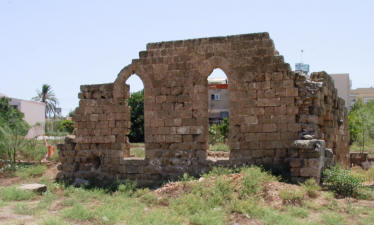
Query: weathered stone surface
x=39, y=188
x=270, y=108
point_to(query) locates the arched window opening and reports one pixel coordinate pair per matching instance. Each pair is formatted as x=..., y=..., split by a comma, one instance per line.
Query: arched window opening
x=218, y=113
x=136, y=103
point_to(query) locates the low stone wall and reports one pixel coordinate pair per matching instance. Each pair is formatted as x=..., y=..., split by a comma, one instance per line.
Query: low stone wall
x=272, y=110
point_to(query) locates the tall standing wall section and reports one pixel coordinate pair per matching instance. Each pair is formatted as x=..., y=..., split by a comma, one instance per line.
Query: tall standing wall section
x=278, y=119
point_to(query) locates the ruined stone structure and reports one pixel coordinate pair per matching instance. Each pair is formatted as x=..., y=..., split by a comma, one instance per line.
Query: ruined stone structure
x=278, y=118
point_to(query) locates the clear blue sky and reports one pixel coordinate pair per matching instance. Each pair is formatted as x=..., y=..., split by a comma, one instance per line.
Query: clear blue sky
x=73, y=42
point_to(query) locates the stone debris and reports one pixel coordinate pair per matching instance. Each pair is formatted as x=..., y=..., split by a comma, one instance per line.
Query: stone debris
x=278, y=118
x=39, y=188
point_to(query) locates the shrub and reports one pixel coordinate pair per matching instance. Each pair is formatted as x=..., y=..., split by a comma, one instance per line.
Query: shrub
x=186, y=177
x=253, y=179
x=34, y=150
x=311, y=188
x=127, y=187
x=15, y=194
x=218, y=171
x=294, y=197
x=66, y=126
x=342, y=182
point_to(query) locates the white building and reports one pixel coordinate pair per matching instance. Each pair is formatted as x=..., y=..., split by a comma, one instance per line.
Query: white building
x=343, y=85
x=34, y=114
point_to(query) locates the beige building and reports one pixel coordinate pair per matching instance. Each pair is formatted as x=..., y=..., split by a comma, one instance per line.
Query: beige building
x=365, y=94
x=34, y=114
x=343, y=85
x=218, y=99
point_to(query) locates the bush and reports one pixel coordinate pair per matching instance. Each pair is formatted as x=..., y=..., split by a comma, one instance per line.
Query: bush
x=34, y=150
x=66, y=126
x=219, y=133
x=253, y=180
x=12, y=130
x=127, y=188
x=342, y=182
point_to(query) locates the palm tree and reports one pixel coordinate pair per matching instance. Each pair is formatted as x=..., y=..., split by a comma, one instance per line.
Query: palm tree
x=47, y=96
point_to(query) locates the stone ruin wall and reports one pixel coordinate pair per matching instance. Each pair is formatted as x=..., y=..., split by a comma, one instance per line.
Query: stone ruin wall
x=278, y=118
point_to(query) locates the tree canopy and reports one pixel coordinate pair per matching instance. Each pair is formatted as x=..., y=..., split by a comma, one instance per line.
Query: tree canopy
x=12, y=130
x=136, y=103
x=361, y=122
x=47, y=96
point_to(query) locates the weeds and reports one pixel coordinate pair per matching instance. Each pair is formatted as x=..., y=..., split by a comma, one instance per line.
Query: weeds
x=294, y=197
x=311, y=188
x=32, y=171
x=218, y=171
x=127, y=188
x=298, y=212
x=333, y=219
x=78, y=212
x=253, y=180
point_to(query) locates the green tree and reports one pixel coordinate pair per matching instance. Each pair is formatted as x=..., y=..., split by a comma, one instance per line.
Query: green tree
x=361, y=123
x=66, y=126
x=12, y=130
x=136, y=103
x=47, y=96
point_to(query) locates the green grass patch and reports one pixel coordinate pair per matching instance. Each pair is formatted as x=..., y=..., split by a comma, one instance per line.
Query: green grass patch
x=137, y=150
x=333, y=219
x=53, y=221
x=31, y=171
x=219, y=147
x=14, y=194
x=298, y=212
x=23, y=209
x=294, y=197
x=78, y=212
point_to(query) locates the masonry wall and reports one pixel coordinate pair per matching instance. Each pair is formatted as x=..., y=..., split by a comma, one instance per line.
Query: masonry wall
x=270, y=108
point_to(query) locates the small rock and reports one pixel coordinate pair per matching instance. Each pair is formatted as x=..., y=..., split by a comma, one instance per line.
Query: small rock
x=78, y=182
x=39, y=188
x=201, y=179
